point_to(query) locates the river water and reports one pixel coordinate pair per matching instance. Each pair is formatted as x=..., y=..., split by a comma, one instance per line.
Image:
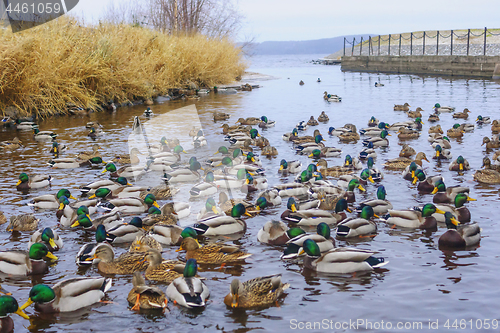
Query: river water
x=421, y=283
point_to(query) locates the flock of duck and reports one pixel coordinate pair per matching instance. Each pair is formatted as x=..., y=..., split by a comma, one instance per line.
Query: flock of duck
x=321, y=207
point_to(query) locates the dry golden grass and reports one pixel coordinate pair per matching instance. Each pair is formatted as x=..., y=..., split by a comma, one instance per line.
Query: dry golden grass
x=43, y=69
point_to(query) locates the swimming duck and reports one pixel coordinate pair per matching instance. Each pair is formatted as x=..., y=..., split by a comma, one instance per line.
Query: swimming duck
x=86, y=155
x=47, y=236
x=436, y=129
x=444, y=194
x=205, y=188
x=44, y=135
x=71, y=163
x=426, y=184
x=269, y=151
x=349, y=194
x=378, y=84
x=212, y=253
x=94, y=133
x=416, y=219
x=188, y=290
x=184, y=175
x=271, y=196
x=311, y=217
x=442, y=153
x=495, y=127
x=8, y=304
x=131, y=158
x=25, y=182
x=23, y=222
x=380, y=205
x=460, y=164
x=340, y=260
x=126, y=232
x=145, y=297
x=260, y=291
x=68, y=295
x=381, y=141
x=407, y=133
x=155, y=216
x=374, y=130
x=334, y=171
x=277, y=233
x=458, y=209
x=148, y=112
x=354, y=227
x=125, y=171
x=223, y=225
x=131, y=205
x=455, y=132
x=407, y=151
x=88, y=250
x=25, y=263
x=171, y=234
x=490, y=143
x=415, y=114
x=367, y=152
x=57, y=148
x=433, y=117
x=221, y=116
x=321, y=237
x=3, y=219
x=312, y=122
x=349, y=137
x=404, y=107
x=127, y=263
x=249, y=121
x=112, y=185
x=289, y=167
x=403, y=162
x=266, y=123
x=162, y=270
x=409, y=172
x=11, y=145
x=487, y=175
x=439, y=108
x=323, y=117
x=291, y=189
x=462, y=115
x=68, y=213
x=331, y=98
x=480, y=120
x=459, y=237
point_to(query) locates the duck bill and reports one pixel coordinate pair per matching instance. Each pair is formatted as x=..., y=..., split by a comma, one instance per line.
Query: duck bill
x=234, y=303
x=349, y=210
x=18, y=183
x=301, y=252
x=76, y=224
x=104, y=171
x=311, y=155
x=52, y=243
x=346, y=163
x=461, y=167
x=51, y=256
x=434, y=191
x=179, y=249
x=61, y=206
x=412, y=174
x=361, y=188
x=215, y=210
x=455, y=221
x=439, y=211
x=25, y=305
x=72, y=197
x=93, y=196
x=471, y=199
x=371, y=179
x=91, y=258
x=248, y=214
x=3, y=291
x=375, y=215
x=20, y=312
x=425, y=159
x=294, y=208
x=437, y=153
x=414, y=180
x=281, y=167
x=156, y=205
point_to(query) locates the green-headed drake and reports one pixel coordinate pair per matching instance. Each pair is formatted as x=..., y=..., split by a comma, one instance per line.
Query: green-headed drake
x=415, y=218
x=321, y=237
x=188, y=290
x=459, y=237
x=26, y=262
x=25, y=182
x=47, y=236
x=362, y=226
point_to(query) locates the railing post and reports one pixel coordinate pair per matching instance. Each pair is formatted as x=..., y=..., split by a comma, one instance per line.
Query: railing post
x=369, y=45
x=484, y=51
x=411, y=43
x=468, y=39
x=399, y=44
x=451, y=36
x=389, y=49
x=378, y=44
x=361, y=46
x=352, y=50
x=437, y=43
x=344, y=46
x=423, y=45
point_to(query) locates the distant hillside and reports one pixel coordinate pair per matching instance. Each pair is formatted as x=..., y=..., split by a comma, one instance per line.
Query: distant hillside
x=316, y=46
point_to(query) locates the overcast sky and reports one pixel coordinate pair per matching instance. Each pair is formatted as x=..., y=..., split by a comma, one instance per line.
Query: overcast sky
x=282, y=20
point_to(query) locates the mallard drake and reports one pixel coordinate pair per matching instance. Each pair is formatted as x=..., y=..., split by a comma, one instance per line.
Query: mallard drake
x=188, y=290
x=339, y=130
x=402, y=162
x=126, y=232
x=340, y=260
x=221, y=116
x=455, y=132
x=8, y=304
x=378, y=84
x=459, y=237
x=112, y=185
x=212, y=253
x=409, y=172
x=380, y=205
x=260, y=291
x=311, y=217
x=145, y=297
x=289, y=167
x=381, y=141
x=467, y=127
x=443, y=194
x=94, y=133
x=131, y=205
x=404, y=107
x=331, y=98
x=25, y=182
x=460, y=164
x=354, y=227
x=57, y=148
x=68, y=213
x=223, y=225
x=349, y=194
x=363, y=178
x=480, y=120
x=24, y=263
x=373, y=122
x=439, y=108
x=415, y=114
x=367, y=152
x=125, y=171
x=171, y=234
x=23, y=222
x=416, y=219
x=426, y=183
x=487, y=175
x=68, y=295
x=47, y=236
x=321, y=237
x=88, y=250
x=323, y=117
x=11, y=145
x=291, y=189
x=277, y=233
x=458, y=209
x=266, y=123
x=462, y=115
x=490, y=143
x=71, y=163
x=271, y=196
x=127, y=263
x=184, y=175
x=374, y=130
x=441, y=153
x=407, y=151
x=43, y=135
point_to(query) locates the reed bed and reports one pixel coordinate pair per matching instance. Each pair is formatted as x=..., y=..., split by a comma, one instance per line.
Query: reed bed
x=44, y=69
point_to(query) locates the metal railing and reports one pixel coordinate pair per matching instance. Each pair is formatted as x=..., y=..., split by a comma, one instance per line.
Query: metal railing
x=373, y=45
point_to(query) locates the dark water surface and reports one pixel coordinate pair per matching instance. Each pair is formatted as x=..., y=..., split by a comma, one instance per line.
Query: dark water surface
x=420, y=284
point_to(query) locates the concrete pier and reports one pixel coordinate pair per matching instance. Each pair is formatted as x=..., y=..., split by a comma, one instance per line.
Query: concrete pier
x=470, y=66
